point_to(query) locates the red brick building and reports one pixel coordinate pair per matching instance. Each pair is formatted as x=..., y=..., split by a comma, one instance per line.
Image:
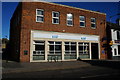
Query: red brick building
x=42, y=31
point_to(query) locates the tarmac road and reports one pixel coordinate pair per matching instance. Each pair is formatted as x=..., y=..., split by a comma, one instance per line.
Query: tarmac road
x=85, y=72
x=71, y=69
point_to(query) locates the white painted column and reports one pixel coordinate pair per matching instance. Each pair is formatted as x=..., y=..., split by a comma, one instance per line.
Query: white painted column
x=46, y=49
x=77, y=49
x=31, y=47
x=90, y=50
x=63, y=50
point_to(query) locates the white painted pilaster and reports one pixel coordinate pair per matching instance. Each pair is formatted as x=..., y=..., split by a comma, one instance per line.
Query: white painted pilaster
x=46, y=50
x=90, y=50
x=63, y=50
x=77, y=49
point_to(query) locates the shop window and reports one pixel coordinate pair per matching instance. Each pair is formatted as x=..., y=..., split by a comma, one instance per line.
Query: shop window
x=82, y=21
x=55, y=47
x=39, y=52
x=83, y=48
x=55, y=17
x=93, y=23
x=70, y=47
x=39, y=47
x=69, y=19
x=39, y=15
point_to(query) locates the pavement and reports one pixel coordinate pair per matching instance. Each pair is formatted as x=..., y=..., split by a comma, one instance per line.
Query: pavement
x=16, y=67
x=65, y=69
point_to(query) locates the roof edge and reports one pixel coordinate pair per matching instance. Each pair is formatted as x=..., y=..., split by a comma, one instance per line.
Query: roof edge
x=72, y=7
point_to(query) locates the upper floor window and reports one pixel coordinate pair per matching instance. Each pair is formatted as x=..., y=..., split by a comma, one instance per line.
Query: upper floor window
x=82, y=21
x=69, y=19
x=118, y=35
x=93, y=23
x=55, y=17
x=39, y=15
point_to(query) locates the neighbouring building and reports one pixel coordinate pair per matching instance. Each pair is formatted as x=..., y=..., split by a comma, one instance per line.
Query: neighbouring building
x=43, y=31
x=113, y=36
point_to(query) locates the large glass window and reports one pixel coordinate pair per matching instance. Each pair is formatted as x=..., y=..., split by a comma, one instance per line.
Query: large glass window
x=70, y=47
x=93, y=23
x=82, y=21
x=55, y=47
x=69, y=19
x=55, y=17
x=39, y=15
x=39, y=47
x=83, y=48
x=39, y=50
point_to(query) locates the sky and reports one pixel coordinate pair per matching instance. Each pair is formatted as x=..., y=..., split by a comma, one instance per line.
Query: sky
x=110, y=8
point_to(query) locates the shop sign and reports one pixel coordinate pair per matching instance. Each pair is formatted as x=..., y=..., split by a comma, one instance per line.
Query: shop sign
x=54, y=36
x=83, y=38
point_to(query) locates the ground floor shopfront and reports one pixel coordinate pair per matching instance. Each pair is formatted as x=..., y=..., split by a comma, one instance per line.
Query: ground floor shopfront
x=47, y=46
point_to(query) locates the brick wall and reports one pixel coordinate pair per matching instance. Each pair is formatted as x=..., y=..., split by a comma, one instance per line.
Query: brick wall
x=28, y=23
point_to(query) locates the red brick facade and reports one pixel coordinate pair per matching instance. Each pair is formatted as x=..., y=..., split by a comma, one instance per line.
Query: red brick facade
x=21, y=34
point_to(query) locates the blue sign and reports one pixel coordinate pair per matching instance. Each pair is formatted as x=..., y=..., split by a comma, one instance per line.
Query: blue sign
x=103, y=51
x=55, y=36
x=83, y=38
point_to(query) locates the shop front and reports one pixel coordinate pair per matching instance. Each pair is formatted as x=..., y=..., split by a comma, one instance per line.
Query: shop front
x=56, y=46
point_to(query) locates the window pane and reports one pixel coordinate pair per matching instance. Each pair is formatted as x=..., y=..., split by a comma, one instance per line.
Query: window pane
x=39, y=18
x=73, y=48
x=51, y=42
x=93, y=20
x=73, y=43
x=118, y=49
x=66, y=43
x=55, y=14
x=69, y=16
x=55, y=20
x=51, y=48
x=82, y=23
x=57, y=47
x=69, y=22
x=39, y=12
x=93, y=25
x=82, y=18
x=118, y=35
x=57, y=42
x=115, y=52
x=67, y=47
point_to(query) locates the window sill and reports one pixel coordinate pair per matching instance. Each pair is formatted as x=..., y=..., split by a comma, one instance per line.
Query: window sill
x=70, y=25
x=93, y=28
x=39, y=22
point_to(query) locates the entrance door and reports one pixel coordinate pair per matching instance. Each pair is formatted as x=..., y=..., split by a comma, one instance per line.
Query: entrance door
x=94, y=50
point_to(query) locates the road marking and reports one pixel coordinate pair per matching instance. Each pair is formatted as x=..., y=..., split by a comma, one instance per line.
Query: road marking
x=98, y=75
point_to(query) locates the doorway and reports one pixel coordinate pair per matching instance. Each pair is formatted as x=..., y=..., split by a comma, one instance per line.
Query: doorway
x=94, y=50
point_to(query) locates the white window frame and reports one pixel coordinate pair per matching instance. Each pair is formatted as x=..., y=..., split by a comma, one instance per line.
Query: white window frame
x=82, y=21
x=55, y=17
x=69, y=20
x=84, y=46
x=93, y=23
x=40, y=15
x=54, y=44
x=70, y=51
